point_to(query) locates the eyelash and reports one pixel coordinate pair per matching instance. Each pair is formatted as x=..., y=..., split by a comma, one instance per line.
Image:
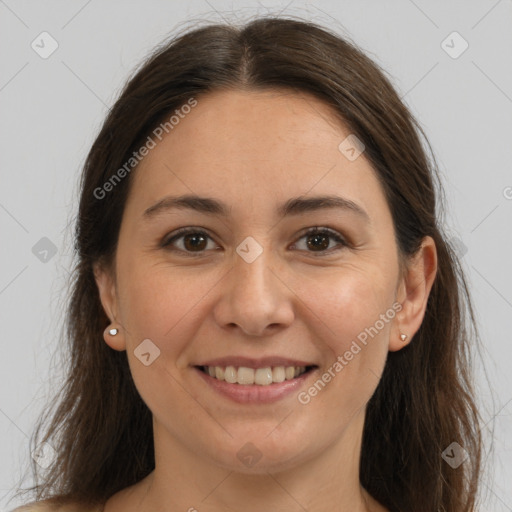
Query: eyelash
x=311, y=231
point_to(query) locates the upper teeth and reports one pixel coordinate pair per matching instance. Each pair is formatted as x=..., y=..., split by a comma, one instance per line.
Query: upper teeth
x=259, y=376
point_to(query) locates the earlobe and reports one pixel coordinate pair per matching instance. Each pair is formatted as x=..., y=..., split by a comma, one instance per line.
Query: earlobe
x=105, y=282
x=413, y=294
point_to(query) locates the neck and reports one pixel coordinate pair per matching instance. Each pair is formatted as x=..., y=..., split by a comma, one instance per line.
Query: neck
x=184, y=480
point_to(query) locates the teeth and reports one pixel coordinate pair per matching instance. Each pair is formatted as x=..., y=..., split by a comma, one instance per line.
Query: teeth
x=249, y=376
x=246, y=376
x=262, y=376
x=289, y=372
x=230, y=374
x=278, y=374
x=219, y=372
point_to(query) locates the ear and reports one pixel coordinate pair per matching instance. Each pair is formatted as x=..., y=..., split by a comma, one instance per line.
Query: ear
x=105, y=280
x=413, y=292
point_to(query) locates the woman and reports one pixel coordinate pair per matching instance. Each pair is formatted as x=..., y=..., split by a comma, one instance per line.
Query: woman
x=266, y=313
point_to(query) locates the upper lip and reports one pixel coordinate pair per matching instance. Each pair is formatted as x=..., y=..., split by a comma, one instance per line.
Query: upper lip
x=248, y=362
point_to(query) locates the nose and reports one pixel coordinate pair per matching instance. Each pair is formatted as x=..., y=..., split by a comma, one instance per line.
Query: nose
x=255, y=298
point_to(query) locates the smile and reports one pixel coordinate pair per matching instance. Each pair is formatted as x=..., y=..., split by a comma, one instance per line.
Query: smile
x=259, y=385
x=254, y=376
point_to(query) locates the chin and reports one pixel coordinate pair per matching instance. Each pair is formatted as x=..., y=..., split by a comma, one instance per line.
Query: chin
x=261, y=453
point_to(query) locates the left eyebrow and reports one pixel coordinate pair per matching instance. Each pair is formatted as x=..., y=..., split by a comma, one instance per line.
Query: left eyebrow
x=294, y=206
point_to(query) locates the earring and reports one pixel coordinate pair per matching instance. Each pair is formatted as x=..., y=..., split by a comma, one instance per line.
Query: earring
x=113, y=331
x=403, y=337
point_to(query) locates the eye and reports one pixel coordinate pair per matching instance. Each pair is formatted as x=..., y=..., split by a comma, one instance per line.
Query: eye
x=195, y=240
x=318, y=240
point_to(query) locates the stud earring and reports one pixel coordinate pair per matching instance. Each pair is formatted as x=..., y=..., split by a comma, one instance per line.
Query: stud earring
x=403, y=337
x=113, y=331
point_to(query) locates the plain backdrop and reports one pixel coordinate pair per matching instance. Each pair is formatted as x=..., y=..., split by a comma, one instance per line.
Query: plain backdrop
x=459, y=86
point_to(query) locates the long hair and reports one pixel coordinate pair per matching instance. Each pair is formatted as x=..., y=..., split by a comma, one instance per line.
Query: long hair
x=100, y=427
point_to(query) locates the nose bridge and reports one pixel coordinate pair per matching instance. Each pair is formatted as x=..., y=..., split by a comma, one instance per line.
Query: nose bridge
x=252, y=272
x=255, y=297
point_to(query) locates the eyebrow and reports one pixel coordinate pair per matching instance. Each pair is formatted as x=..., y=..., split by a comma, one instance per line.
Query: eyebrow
x=294, y=206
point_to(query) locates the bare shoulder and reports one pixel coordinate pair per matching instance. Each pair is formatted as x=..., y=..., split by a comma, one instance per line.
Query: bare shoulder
x=52, y=506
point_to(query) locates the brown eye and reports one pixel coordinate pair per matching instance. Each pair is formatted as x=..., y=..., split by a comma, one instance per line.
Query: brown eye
x=188, y=240
x=194, y=241
x=319, y=240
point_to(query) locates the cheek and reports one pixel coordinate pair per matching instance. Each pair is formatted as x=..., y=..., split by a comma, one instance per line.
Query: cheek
x=351, y=318
x=345, y=302
x=162, y=303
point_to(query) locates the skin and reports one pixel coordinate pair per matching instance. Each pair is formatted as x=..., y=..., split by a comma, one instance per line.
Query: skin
x=254, y=151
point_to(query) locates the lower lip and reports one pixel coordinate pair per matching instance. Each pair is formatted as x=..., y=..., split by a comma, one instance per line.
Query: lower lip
x=243, y=394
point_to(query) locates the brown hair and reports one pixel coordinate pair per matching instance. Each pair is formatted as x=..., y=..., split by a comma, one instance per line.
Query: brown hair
x=101, y=428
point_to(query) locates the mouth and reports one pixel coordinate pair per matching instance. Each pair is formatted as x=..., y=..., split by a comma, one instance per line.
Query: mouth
x=262, y=376
x=253, y=382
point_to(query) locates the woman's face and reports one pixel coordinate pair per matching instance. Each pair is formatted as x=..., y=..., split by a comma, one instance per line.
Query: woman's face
x=251, y=289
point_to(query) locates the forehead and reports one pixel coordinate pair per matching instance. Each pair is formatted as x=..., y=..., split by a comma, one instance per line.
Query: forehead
x=251, y=147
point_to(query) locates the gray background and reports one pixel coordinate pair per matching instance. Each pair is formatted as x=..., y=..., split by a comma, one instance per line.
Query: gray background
x=52, y=108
